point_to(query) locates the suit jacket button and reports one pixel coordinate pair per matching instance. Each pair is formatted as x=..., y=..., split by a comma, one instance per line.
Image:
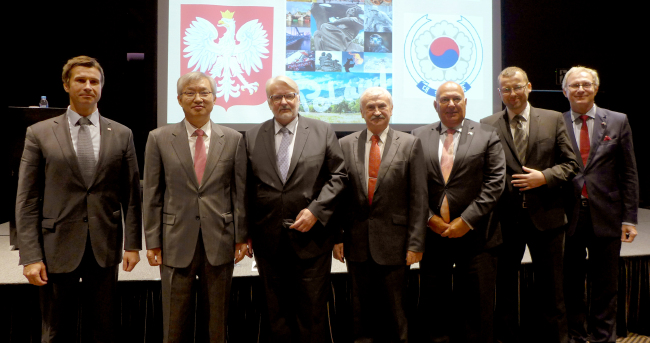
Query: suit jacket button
x=85, y=219
x=200, y=195
x=198, y=218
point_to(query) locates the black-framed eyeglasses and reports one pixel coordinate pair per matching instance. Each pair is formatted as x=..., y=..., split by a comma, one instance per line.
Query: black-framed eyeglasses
x=516, y=89
x=202, y=94
x=584, y=85
x=277, y=98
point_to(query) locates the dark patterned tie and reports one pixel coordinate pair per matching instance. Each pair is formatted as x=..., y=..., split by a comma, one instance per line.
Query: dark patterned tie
x=283, y=153
x=85, y=151
x=521, y=139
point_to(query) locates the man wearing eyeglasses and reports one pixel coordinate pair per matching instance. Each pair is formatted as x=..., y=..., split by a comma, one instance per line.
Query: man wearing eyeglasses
x=603, y=212
x=295, y=175
x=539, y=161
x=465, y=177
x=194, y=178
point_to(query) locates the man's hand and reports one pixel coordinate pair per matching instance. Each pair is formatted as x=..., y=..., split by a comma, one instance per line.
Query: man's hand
x=241, y=250
x=304, y=221
x=437, y=224
x=35, y=273
x=250, y=248
x=131, y=258
x=533, y=179
x=413, y=257
x=629, y=232
x=457, y=228
x=154, y=256
x=338, y=252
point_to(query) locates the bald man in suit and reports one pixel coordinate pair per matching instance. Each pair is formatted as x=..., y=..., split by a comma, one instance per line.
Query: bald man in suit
x=194, y=178
x=78, y=182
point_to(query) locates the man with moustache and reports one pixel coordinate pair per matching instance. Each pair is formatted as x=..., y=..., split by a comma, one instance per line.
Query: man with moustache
x=382, y=216
x=539, y=162
x=604, y=210
x=466, y=176
x=194, y=178
x=295, y=175
x=78, y=182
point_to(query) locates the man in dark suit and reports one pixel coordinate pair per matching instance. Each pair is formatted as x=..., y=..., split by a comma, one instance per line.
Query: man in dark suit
x=604, y=210
x=195, y=174
x=295, y=174
x=383, y=218
x=78, y=182
x=539, y=161
x=466, y=176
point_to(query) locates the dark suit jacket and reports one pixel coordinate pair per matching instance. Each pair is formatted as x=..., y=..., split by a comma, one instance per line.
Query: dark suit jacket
x=315, y=179
x=396, y=220
x=55, y=211
x=549, y=151
x=610, y=174
x=475, y=184
x=176, y=207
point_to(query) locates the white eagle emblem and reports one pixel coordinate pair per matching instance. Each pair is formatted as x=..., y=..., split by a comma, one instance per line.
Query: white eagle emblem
x=226, y=59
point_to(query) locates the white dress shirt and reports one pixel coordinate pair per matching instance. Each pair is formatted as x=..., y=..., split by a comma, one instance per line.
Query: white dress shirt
x=577, y=123
x=443, y=137
x=95, y=135
x=278, y=136
x=191, y=137
x=381, y=144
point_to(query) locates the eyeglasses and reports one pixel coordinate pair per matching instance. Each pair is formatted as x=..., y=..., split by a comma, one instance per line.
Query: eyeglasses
x=508, y=90
x=445, y=101
x=584, y=85
x=277, y=98
x=203, y=94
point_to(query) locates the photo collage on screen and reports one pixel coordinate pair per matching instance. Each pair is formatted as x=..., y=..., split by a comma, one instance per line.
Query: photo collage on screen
x=335, y=49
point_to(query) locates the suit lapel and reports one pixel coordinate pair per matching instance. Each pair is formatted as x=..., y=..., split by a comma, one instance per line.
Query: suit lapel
x=302, y=132
x=434, y=159
x=503, y=126
x=568, y=120
x=390, y=149
x=599, y=133
x=217, y=142
x=62, y=134
x=268, y=141
x=533, y=131
x=359, y=146
x=464, y=142
x=181, y=146
x=106, y=144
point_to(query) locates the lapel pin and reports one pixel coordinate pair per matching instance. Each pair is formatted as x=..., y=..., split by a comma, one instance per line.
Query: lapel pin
x=470, y=133
x=109, y=129
x=603, y=124
x=607, y=139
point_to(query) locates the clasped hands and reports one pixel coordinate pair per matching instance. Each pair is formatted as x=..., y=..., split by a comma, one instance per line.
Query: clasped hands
x=456, y=228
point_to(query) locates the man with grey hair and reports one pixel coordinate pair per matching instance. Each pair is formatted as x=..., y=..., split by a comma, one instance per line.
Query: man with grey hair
x=77, y=208
x=194, y=217
x=539, y=162
x=383, y=217
x=603, y=212
x=465, y=178
x=295, y=175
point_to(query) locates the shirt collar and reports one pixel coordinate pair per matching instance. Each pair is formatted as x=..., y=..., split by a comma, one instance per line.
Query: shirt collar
x=458, y=128
x=382, y=136
x=525, y=113
x=207, y=128
x=73, y=117
x=591, y=113
x=291, y=126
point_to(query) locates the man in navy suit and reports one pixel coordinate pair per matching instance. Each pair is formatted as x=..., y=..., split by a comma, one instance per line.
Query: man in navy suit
x=604, y=210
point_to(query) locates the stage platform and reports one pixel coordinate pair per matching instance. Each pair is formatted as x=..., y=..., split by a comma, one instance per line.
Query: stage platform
x=140, y=297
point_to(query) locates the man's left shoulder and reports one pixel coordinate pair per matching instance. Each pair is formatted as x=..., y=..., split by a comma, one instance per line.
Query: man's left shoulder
x=312, y=122
x=227, y=131
x=403, y=136
x=544, y=112
x=116, y=126
x=611, y=114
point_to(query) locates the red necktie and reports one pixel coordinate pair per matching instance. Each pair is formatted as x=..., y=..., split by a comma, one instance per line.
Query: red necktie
x=584, y=148
x=446, y=162
x=199, y=155
x=373, y=167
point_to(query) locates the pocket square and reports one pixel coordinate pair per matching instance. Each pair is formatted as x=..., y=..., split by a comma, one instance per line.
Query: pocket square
x=607, y=139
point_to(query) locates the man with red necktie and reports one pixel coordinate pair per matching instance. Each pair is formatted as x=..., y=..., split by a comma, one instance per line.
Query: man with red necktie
x=383, y=218
x=466, y=176
x=604, y=211
x=194, y=218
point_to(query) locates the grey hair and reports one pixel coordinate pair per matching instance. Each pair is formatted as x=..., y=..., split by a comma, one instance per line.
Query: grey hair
x=577, y=69
x=375, y=90
x=184, y=80
x=511, y=71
